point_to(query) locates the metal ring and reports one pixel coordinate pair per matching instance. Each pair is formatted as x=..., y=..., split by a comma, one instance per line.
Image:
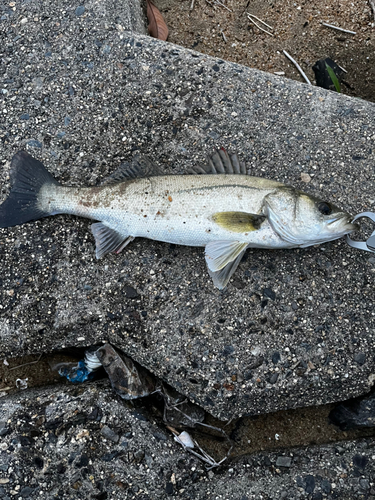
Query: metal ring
x=369, y=244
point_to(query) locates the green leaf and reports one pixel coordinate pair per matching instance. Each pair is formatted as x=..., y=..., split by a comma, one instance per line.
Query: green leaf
x=333, y=77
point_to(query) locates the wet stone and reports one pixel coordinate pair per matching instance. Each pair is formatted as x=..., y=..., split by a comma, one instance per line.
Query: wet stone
x=355, y=413
x=360, y=461
x=110, y=456
x=309, y=483
x=139, y=455
x=364, y=484
x=325, y=486
x=108, y=433
x=228, y=349
x=3, y=429
x=276, y=357
x=267, y=292
x=160, y=436
x=360, y=358
x=34, y=144
x=317, y=496
x=39, y=462
x=283, y=462
x=130, y=292
x=26, y=492
x=273, y=378
x=80, y=10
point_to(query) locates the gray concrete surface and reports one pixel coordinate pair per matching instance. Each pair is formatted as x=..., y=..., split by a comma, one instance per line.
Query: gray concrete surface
x=84, y=442
x=293, y=328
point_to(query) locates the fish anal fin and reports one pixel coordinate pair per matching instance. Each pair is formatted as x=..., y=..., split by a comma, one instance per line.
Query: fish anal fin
x=238, y=222
x=108, y=240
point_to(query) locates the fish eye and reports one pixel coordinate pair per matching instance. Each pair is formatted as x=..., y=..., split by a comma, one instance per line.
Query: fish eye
x=324, y=208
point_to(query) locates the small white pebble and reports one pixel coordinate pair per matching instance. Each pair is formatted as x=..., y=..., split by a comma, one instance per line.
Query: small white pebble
x=305, y=177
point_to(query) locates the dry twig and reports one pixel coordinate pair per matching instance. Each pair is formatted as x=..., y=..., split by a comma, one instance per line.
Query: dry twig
x=257, y=25
x=339, y=29
x=257, y=18
x=192, y=4
x=26, y=364
x=217, y=2
x=297, y=66
x=222, y=5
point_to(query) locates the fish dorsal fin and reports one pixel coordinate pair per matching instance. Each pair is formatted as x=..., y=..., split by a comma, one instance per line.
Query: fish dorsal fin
x=108, y=240
x=222, y=258
x=221, y=163
x=238, y=222
x=141, y=166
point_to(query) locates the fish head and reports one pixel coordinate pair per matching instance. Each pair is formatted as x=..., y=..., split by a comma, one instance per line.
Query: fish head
x=303, y=220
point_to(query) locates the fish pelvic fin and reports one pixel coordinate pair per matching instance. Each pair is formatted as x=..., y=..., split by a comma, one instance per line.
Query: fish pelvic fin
x=222, y=258
x=108, y=240
x=27, y=177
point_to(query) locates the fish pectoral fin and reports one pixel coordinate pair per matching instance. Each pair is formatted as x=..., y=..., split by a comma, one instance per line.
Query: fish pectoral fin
x=238, y=222
x=222, y=259
x=141, y=166
x=108, y=240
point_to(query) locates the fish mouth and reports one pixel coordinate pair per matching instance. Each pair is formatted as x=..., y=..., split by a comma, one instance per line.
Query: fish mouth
x=343, y=223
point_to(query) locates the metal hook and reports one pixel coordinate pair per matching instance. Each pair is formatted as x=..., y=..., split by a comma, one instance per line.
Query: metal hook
x=369, y=244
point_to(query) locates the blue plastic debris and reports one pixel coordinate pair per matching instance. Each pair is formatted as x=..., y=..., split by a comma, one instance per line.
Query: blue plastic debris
x=76, y=374
x=84, y=370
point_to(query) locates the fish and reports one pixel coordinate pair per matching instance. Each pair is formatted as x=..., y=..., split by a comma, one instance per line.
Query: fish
x=217, y=206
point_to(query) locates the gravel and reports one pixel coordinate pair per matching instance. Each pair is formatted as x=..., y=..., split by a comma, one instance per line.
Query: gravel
x=126, y=93
x=55, y=449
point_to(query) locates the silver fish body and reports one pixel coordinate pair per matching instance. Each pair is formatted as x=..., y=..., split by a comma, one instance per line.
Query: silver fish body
x=175, y=209
x=226, y=212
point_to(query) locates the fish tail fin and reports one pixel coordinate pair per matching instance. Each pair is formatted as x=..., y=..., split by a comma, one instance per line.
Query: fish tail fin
x=27, y=177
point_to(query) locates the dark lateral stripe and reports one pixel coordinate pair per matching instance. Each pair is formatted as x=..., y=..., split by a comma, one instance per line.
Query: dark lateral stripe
x=220, y=186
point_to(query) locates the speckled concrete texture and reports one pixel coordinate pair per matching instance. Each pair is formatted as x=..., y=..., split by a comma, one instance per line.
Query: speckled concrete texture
x=293, y=327
x=84, y=442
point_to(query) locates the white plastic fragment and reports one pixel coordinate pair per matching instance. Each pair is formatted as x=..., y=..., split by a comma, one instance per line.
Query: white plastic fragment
x=21, y=383
x=184, y=440
x=92, y=361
